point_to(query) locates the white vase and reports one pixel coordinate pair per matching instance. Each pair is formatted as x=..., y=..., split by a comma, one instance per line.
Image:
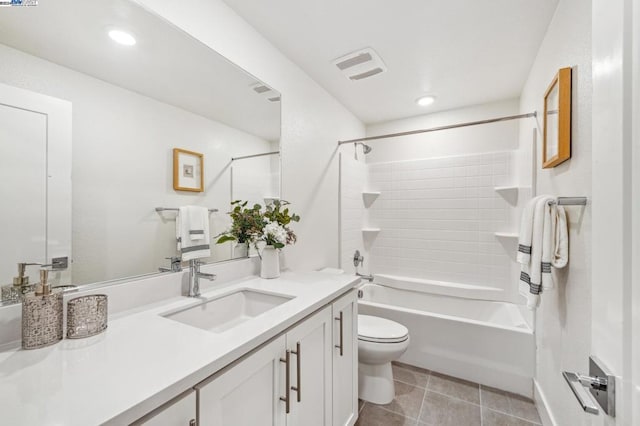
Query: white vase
x=240, y=250
x=270, y=267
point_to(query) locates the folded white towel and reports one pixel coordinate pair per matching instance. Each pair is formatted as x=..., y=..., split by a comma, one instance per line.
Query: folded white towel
x=192, y=232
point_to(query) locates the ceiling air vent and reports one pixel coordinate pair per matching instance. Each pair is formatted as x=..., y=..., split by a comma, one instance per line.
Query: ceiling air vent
x=266, y=92
x=360, y=65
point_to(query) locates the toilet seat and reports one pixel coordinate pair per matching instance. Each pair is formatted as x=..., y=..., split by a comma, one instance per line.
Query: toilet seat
x=380, y=330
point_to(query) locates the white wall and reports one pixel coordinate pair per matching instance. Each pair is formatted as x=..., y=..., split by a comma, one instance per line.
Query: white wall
x=253, y=179
x=312, y=123
x=563, y=320
x=463, y=141
x=122, y=168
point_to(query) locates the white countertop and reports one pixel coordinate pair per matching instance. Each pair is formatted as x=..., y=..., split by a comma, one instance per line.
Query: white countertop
x=144, y=359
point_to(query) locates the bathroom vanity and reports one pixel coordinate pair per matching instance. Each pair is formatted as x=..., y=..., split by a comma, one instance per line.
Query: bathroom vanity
x=248, y=352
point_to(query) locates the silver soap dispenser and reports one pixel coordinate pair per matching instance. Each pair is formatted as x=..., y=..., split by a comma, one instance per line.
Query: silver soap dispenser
x=42, y=315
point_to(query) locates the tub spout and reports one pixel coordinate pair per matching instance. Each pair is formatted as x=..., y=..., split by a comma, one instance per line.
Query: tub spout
x=365, y=277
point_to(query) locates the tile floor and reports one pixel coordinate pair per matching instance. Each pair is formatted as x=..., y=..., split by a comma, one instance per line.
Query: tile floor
x=425, y=398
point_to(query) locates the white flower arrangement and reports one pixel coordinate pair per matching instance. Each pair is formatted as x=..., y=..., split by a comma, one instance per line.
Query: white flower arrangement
x=274, y=232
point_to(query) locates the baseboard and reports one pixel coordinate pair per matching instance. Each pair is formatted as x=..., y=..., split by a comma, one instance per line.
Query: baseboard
x=541, y=403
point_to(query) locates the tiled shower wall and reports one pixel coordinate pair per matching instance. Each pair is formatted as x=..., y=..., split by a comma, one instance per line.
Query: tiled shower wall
x=438, y=218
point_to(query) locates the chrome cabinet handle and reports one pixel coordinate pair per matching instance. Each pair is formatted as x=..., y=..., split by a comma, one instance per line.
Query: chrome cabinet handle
x=298, y=388
x=287, y=382
x=341, y=345
x=192, y=422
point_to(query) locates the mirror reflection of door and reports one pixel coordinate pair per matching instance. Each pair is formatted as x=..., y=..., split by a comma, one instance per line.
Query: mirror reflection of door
x=35, y=171
x=23, y=163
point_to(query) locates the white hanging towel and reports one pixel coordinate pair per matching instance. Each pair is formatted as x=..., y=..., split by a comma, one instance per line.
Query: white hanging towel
x=526, y=231
x=530, y=284
x=192, y=232
x=549, y=247
x=561, y=239
x=555, y=248
x=548, y=229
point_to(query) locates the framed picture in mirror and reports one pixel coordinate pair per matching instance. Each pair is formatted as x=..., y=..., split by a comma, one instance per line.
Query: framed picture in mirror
x=188, y=169
x=556, y=146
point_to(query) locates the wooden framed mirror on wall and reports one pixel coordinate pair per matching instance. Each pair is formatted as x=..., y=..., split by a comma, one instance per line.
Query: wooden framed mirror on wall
x=556, y=147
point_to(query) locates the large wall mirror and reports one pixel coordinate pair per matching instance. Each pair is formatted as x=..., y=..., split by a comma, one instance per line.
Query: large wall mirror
x=94, y=97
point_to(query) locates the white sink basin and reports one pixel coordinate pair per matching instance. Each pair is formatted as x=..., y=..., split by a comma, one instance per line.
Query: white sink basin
x=225, y=312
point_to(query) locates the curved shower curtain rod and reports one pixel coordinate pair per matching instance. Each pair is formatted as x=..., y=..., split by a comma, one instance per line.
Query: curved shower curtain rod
x=435, y=129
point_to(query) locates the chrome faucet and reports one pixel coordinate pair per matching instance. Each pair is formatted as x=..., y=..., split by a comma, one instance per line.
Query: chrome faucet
x=194, y=277
x=365, y=277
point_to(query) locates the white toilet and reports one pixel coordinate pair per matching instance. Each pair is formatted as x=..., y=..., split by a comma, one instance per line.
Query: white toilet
x=380, y=341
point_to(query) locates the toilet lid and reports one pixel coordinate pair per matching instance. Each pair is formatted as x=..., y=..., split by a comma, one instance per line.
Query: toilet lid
x=376, y=329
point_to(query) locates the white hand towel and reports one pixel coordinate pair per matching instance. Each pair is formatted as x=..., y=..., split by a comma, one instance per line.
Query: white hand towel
x=526, y=229
x=193, y=248
x=561, y=239
x=531, y=271
x=198, y=220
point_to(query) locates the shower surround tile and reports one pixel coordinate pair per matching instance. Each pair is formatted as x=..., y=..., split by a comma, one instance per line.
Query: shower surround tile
x=438, y=217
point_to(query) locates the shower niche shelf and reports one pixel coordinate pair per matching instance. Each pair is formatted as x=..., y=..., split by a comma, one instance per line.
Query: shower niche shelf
x=370, y=231
x=510, y=235
x=368, y=197
x=510, y=193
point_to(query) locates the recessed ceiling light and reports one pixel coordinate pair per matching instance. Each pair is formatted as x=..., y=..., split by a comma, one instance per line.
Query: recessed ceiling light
x=426, y=100
x=122, y=37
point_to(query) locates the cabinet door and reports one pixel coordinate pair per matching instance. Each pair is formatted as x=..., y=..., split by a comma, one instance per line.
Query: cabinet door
x=310, y=346
x=345, y=359
x=248, y=392
x=179, y=412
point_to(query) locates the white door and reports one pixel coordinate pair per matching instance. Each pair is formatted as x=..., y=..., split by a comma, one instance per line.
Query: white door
x=247, y=393
x=615, y=307
x=35, y=171
x=310, y=368
x=179, y=412
x=634, y=330
x=345, y=359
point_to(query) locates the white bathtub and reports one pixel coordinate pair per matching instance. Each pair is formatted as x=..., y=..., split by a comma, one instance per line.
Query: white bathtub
x=482, y=341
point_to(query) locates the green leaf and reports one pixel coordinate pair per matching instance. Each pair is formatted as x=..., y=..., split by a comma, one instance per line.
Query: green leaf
x=225, y=238
x=278, y=245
